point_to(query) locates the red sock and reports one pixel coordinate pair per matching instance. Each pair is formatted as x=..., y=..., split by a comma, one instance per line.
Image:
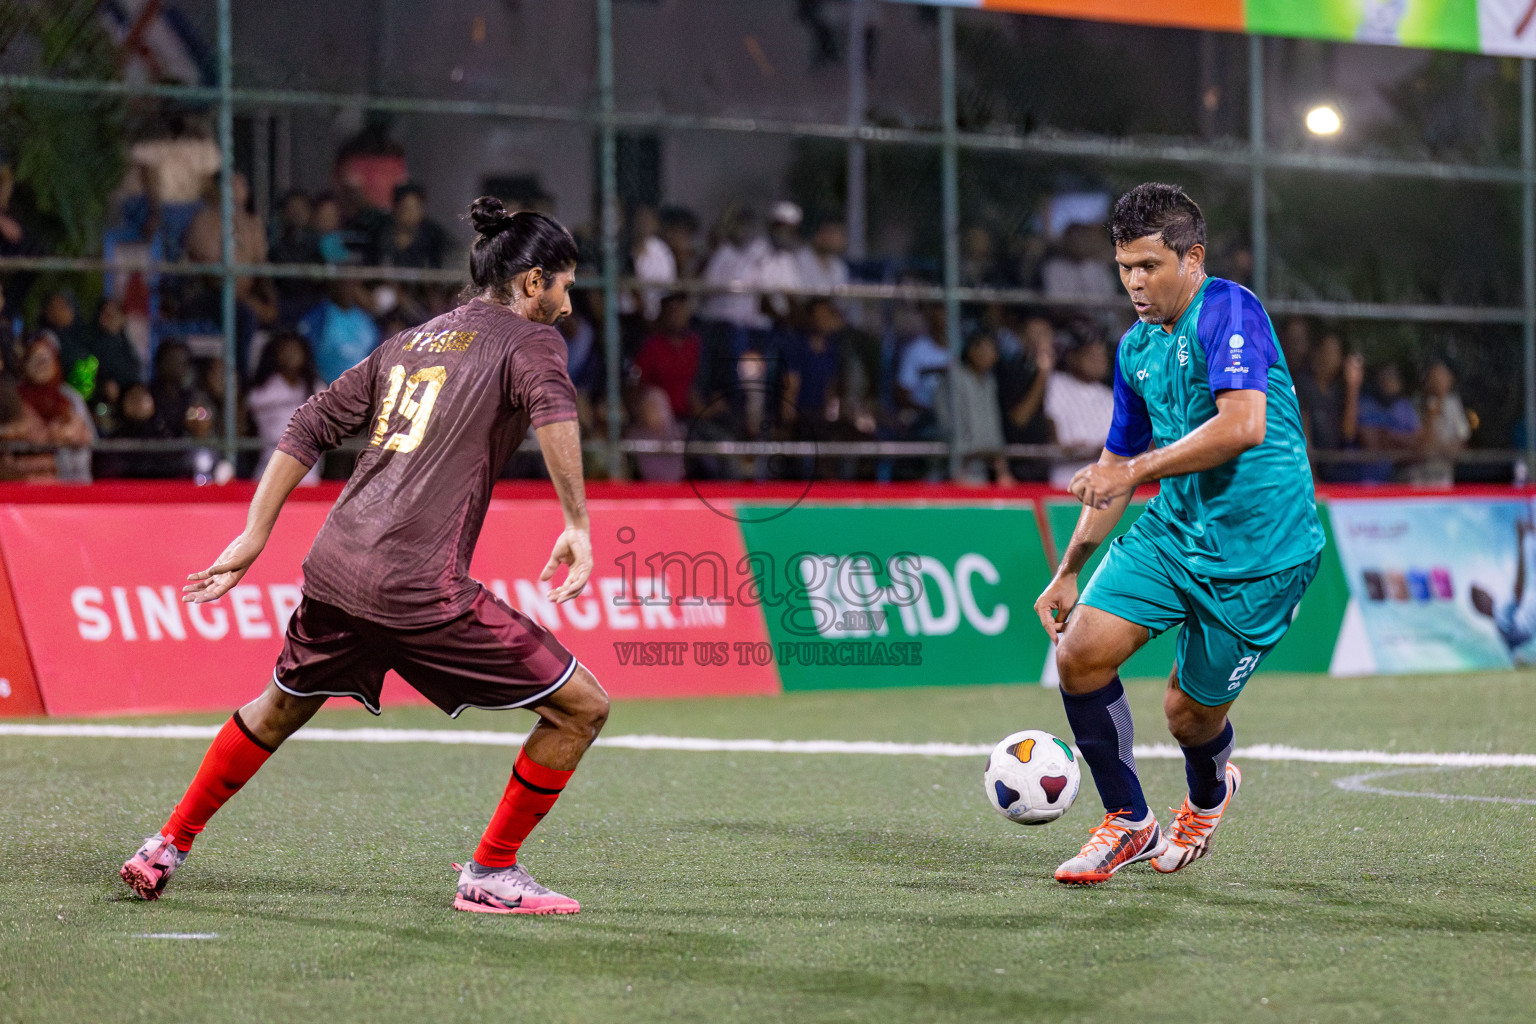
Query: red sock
x=234, y=756
x=531, y=792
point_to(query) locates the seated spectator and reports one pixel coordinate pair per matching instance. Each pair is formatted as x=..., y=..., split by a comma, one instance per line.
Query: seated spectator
x=139, y=420
x=653, y=421
x=1084, y=267
x=205, y=464
x=340, y=329
x=781, y=268
x=1447, y=429
x=651, y=261
x=584, y=360
x=858, y=370
x=669, y=358
x=1296, y=343
x=810, y=365
x=171, y=387
x=921, y=367
x=20, y=425
x=285, y=379
x=739, y=262
x=1328, y=392
x=99, y=361
x=255, y=297
x=293, y=238
x=823, y=262
x=680, y=231
x=411, y=238
x=336, y=244
x=60, y=320
x=1388, y=423
x=974, y=416
x=176, y=163
x=209, y=380
x=1080, y=406
x=63, y=412
x=1021, y=386
x=979, y=265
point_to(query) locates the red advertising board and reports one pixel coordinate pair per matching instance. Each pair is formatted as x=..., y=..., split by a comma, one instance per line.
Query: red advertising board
x=97, y=591
x=18, y=689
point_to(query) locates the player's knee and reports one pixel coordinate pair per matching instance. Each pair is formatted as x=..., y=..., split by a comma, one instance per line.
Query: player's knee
x=1190, y=724
x=589, y=712
x=1079, y=667
x=277, y=714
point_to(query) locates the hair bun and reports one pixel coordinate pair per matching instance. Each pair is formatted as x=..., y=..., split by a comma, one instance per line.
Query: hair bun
x=489, y=216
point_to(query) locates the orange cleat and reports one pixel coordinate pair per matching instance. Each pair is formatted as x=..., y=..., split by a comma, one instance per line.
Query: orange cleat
x=1189, y=837
x=1111, y=846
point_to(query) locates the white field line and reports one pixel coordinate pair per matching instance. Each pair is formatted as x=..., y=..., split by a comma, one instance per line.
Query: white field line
x=488, y=738
x=177, y=935
x=1361, y=784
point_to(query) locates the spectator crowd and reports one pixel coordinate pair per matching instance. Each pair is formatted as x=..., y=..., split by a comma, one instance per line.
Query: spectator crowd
x=719, y=341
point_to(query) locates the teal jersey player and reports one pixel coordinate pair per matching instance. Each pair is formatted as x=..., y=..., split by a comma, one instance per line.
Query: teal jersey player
x=1249, y=517
x=1204, y=404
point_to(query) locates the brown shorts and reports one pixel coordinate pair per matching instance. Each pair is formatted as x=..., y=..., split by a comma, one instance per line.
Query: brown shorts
x=490, y=657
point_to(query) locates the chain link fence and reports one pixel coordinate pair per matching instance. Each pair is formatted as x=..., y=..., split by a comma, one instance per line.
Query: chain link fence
x=208, y=182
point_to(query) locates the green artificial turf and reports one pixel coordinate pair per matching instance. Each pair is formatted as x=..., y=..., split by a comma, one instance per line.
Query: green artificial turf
x=785, y=887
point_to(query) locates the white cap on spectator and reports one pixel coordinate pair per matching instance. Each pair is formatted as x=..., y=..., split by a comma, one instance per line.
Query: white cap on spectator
x=786, y=212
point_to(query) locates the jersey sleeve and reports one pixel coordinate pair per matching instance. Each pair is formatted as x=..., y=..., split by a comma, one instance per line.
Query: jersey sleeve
x=536, y=378
x=1130, y=429
x=1237, y=339
x=333, y=415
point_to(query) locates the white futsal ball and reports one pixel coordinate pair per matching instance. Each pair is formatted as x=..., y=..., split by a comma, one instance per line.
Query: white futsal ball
x=1031, y=777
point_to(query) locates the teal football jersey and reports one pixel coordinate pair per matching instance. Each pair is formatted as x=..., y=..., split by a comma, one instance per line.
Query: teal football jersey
x=1256, y=514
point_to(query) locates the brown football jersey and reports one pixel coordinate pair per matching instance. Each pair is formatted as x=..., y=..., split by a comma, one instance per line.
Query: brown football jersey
x=442, y=406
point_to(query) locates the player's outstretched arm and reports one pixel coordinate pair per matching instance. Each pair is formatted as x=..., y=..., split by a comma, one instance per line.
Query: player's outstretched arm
x=561, y=444
x=1093, y=525
x=1237, y=426
x=282, y=475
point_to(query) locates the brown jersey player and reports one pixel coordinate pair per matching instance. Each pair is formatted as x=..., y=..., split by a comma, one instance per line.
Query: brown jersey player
x=387, y=584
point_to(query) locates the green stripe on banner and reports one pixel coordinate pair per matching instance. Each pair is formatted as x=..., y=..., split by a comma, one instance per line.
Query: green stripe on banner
x=1437, y=24
x=1308, y=647
x=899, y=595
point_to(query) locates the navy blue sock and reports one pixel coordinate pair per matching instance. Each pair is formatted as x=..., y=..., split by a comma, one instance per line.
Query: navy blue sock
x=1101, y=724
x=1205, y=767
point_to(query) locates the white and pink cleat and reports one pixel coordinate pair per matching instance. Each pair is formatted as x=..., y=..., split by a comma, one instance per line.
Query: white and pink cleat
x=508, y=891
x=147, y=871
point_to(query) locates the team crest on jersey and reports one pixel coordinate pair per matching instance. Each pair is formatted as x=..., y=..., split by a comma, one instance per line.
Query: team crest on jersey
x=1183, y=351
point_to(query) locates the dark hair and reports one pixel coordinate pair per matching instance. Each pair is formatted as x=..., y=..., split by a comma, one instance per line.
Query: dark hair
x=409, y=188
x=1161, y=210
x=678, y=217
x=512, y=243
x=266, y=365
x=976, y=339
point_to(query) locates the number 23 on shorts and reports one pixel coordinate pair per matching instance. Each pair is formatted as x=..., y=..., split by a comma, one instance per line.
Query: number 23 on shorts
x=420, y=395
x=1244, y=669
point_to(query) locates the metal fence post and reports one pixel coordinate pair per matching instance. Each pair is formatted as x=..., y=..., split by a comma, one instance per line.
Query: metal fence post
x=609, y=216
x=227, y=230
x=1528, y=245
x=854, y=218
x=1256, y=147
x=951, y=200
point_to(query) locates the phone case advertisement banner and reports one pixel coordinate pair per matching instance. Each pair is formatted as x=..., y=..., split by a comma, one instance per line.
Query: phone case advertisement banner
x=1441, y=585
